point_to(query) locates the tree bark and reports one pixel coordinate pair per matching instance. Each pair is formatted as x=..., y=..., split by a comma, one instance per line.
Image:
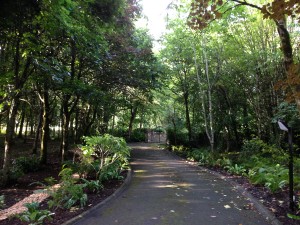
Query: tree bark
x=292, y=69
x=10, y=129
x=133, y=112
x=45, y=127
x=20, y=134
x=37, y=132
x=187, y=114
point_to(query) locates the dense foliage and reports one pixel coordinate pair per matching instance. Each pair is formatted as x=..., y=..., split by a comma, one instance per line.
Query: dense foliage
x=74, y=71
x=71, y=69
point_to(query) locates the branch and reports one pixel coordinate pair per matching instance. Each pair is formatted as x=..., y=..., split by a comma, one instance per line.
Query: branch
x=248, y=4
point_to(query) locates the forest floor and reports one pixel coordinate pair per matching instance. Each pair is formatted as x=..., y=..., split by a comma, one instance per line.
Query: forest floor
x=277, y=203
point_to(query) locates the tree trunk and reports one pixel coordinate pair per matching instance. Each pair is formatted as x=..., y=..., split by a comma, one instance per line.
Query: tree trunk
x=19, y=81
x=37, y=132
x=10, y=128
x=65, y=133
x=209, y=124
x=45, y=127
x=292, y=70
x=26, y=131
x=133, y=112
x=20, y=135
x=187, y=114
x=67, y=107
x=87, y=129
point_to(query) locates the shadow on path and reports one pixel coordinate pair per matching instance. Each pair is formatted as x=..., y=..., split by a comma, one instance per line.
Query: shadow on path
x=167, y=190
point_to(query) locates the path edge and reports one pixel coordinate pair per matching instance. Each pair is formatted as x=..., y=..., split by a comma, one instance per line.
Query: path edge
x=116, y=194
x=270, y=217
x=257, y=204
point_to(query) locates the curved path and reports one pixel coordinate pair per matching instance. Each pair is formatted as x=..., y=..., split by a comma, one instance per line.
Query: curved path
x=167, y=190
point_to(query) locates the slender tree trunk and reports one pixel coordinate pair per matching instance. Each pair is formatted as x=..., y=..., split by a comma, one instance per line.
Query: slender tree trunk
x=187, y=114
x=31, y=122
x=26, y=131
x=68, y=107
x=37, y=132
x=87, y=130
x=65, y=133
x=133, y=112
x=10, y=128
x=174, y=125
x=208, y=122
x=45, y=127
x=19, y=80
x=20, y=135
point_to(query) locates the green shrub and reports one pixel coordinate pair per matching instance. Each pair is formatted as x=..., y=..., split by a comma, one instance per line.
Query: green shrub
x=272, y=177
x=14, y=173
x=258, y=148
x=27, y=164
x=34, y=216
x=223, y=162
x=180, y=150
x=92, y=185
x=69, y=193
x=106, y=155
x=23, y=165
x=137, y=135
x=178, y=138
x=236, y=169
x=2, y=201
x=195, y=154
x=253, y=146
x=297, y=173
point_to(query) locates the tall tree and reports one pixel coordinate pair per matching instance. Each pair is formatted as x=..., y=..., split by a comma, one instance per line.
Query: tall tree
x=204, y=11
x=18, y=33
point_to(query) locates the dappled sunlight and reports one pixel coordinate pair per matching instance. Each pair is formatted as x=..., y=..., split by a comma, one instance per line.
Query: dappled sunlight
x=177, y=185
x=140, y=171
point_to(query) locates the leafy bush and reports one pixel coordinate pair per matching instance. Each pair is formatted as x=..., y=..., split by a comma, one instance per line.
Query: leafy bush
x=92, y=185
x=14, y=173
x=106, y=155
x=252, y=147
x=258, y=148
x=137, y=135
x=297, y=173
x=111, y=172
x=236, y=169
x=69, y=193
x=28, y=164
x=2, y=201
x=195, y=154
x=33, y=215
x=178, y=138
x=23, y=165
x=180, y=150
x=272, y=177
x=223, y=162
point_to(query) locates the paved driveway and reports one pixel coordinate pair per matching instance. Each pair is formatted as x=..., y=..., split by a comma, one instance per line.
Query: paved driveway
x=167, y=190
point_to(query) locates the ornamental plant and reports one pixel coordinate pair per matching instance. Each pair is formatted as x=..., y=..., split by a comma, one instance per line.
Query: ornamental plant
x=106, y=154
x=33, y=215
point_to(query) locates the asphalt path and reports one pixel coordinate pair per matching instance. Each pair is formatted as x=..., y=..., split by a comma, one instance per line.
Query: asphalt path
x=167, y=190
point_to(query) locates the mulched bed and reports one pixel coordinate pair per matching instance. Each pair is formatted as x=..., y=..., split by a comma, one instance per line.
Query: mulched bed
x=24, y=187
x=17, y=192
